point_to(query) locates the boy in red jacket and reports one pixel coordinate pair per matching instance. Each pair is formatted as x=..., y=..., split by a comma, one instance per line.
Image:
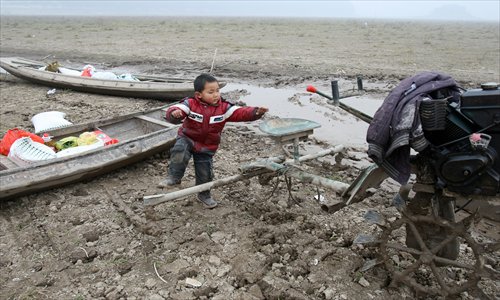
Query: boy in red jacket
x=204, y=117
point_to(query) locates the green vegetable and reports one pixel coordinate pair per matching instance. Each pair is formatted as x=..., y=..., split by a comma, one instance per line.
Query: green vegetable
x=67, y=142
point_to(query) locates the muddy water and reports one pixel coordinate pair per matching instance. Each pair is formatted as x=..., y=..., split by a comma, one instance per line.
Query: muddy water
x=337, y=126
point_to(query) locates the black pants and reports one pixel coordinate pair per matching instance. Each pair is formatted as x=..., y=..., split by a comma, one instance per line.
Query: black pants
x=181, y=153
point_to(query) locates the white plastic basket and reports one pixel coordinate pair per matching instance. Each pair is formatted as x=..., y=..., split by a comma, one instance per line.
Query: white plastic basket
x=24, y=151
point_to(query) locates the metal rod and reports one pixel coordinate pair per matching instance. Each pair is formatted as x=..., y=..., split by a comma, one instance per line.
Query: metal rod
x=259, y=164
x=360, y=82
x=335, y=92
x=296, y=150
x=356, y=113
x=353, y=111
x=302, y=176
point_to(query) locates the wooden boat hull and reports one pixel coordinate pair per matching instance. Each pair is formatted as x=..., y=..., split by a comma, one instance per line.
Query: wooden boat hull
x=57, y=172
x=151, y=87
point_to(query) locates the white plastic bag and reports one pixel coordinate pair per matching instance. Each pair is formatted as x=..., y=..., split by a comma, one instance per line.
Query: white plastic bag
x=66, y=71
x=49, y=120
x=80, y=149
x=104, y=75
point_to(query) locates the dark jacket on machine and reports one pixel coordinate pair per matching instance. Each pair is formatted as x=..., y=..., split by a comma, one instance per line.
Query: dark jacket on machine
x=396, y=125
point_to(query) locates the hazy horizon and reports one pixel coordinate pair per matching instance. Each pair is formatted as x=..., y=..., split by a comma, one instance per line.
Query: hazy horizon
x=480, y=11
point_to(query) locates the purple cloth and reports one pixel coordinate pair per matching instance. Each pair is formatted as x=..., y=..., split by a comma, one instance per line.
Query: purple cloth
x=396, y=125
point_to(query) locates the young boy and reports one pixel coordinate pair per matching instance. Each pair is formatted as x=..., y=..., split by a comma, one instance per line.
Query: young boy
x=199, y=136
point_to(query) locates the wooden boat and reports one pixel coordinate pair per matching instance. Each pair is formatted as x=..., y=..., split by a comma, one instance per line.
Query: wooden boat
x=139, y=135
x=152, y=87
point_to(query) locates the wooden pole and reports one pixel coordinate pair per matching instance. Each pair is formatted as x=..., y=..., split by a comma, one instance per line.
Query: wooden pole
x=213, y=61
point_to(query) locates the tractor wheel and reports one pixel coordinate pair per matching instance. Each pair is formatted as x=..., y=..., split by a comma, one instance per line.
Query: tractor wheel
x=431, y=266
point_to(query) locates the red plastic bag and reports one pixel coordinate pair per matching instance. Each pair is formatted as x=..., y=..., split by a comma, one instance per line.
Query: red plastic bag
x=12, y=135
x=86, y=73
x=105, y=138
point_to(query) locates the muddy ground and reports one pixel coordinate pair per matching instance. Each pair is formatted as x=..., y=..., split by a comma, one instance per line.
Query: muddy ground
x=88, y=240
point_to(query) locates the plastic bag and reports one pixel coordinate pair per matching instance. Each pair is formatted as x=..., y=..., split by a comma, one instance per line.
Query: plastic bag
x=88, y=71
x=12, y=135
x=49, y=120
x=105, y=138
x=67, y=142
x=80, y=149
x=105, y=75
x=87, y=138
x=71, y=72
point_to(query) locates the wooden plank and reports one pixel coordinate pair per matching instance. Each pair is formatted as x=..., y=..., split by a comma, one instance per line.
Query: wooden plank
x=153, y=120
x=6, y=162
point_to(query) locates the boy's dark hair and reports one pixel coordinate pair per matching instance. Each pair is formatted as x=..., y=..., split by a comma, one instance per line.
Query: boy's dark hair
x=199, y=82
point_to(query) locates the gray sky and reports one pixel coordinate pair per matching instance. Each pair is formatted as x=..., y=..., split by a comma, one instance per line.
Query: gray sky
x=486, y=10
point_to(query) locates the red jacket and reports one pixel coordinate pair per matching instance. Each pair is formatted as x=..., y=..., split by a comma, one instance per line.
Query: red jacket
x=203, y=123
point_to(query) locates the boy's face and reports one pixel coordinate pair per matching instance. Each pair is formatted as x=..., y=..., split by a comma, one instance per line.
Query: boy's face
x=210, y=93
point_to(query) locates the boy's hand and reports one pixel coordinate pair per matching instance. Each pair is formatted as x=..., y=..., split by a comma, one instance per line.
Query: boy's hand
x=177, y=114
x=261, y=110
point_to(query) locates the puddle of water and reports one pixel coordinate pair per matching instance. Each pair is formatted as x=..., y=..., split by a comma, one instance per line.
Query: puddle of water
x=337, y=126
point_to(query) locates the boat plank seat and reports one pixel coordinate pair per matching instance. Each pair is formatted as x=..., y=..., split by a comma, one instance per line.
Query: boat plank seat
x=155, y=121
x=6, y=163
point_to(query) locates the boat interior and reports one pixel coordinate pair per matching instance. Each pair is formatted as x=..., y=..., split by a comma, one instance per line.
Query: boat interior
x=122, y=128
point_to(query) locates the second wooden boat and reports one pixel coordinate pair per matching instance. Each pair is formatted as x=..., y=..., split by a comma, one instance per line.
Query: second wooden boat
x=151, y=87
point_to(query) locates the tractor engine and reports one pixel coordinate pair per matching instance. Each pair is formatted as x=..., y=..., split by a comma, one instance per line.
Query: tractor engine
x=464, y=133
